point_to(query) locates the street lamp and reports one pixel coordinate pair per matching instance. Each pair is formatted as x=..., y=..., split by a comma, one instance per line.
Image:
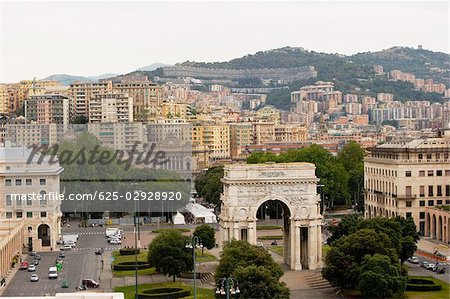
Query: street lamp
x=136, y=233
x=227, y=287
x=195, y=242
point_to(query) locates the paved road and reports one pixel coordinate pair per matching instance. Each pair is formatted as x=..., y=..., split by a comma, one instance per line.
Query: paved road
x=417, y=270
x=79, y=263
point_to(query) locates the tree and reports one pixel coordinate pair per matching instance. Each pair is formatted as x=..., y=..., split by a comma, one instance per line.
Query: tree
x=167, y=253
x=347, y=225
x=345, y=258
x=380, y=279
x=207, y=235
x=81, y=119
x=258, y=282
x=209, y=185
x=254, y=269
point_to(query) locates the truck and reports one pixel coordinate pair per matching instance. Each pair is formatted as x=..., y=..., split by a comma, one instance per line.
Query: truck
x=66, y=239
x=110, y=231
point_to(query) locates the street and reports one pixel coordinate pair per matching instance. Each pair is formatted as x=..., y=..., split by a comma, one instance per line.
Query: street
x=417, y=270
x=79, y=263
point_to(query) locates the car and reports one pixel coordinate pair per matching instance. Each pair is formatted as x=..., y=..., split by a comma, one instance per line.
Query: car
x=52, y=273
x=34, y=277
x=61, y=255
x=24, y=265
x=36, y=262
x=430, y=266
x=115, y=241
x=99, y=252
x=33, y=253
x=260, y=244
x=37, y=257
x=59, y=260
x=424, y=264
x=414, y=260
x=31, y=268
x=66, y=247
x=90, y=283
x=440, y=270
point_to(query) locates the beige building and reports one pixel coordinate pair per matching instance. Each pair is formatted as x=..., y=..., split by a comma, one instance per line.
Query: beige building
x=241, y=135
x=147, y=98
x=47, y=109
x=403, y=178
x=12, y=240
x=263, y=133
x=80, y=94
x=119, y=135
x=110, y=108
x=29, y=191
x=290, y=133
x=31, y=134
x=437, y=223
x=171, y=109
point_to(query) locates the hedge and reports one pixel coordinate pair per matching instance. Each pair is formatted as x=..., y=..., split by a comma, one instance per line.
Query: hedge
x=161, y=230
x=268, y=227
x=131, y=266
x=270, y=238
x=129, y=251
x=162, y=293
x=422, y=285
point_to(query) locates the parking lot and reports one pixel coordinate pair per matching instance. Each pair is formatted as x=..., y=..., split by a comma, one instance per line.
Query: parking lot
x=79, y=263
x=417, y=270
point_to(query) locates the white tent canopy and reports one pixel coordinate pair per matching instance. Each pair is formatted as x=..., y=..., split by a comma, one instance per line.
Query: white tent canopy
x=178, y=219
x=201, y=213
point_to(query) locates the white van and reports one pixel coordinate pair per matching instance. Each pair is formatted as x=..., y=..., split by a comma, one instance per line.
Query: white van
x=111, y=231
x=52, y=272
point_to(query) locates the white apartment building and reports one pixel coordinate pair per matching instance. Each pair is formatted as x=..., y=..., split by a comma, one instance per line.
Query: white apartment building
x=111, y=108
x=27, y=192
x=403, y=178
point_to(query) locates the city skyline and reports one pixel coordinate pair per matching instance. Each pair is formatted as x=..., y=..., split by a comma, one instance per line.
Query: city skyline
x=201, y=32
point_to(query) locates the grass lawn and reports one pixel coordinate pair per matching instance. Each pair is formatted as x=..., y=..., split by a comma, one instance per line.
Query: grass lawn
x=141, y=257
x=206, y=257
x=268, y=227
x=270, y=238
x=278, y=249
x=201, y=293
x=444, y=293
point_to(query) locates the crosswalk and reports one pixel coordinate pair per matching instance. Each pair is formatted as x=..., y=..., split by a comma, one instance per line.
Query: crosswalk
x=96, y=248
x=92, y=233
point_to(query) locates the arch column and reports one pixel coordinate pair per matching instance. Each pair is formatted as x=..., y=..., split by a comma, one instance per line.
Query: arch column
x=295, y=245
x=312, y=247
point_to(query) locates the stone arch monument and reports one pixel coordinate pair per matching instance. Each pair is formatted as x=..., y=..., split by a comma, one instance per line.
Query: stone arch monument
x=247, y=186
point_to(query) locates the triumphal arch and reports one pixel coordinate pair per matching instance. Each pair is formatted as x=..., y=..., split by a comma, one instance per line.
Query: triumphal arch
x=248, y=186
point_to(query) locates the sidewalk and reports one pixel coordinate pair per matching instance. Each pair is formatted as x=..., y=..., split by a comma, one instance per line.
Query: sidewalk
x=427, y=247
x=11, y=274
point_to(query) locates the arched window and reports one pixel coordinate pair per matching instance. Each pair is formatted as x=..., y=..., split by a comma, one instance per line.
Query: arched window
x=43, y=200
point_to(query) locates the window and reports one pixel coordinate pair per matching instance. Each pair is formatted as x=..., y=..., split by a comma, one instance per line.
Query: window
x=429, y=156
x=18, y=182
x=431, y=203
x=18, y=214
x=421, y=172
x=447, y=172
x=439, y=202
x=420, y=156
x=447, y=190
x=28, y=182
x=408, y=173
x=29, y=201
x=8, y=182
x=43, y=200
x=439, y=190
x=430, y=190
x=8, y=200
x=422, y=191
x=408, y=190
x=408, y=214
x=18, y=201
x=447, y=201
x=43, y=214
x=42, y=182
x=8, y=215
x=438, y=172
x=29, y=214
x=408, y=203
x=430, y=172
x=422, y=215
x=422, y=203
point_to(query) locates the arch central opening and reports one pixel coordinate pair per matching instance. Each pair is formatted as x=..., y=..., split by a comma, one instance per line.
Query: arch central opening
x=273, y=228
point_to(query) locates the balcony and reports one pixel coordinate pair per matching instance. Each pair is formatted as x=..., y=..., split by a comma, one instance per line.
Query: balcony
x=406, y=196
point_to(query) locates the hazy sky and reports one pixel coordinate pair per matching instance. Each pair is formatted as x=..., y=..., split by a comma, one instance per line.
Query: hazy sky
x=91, y=38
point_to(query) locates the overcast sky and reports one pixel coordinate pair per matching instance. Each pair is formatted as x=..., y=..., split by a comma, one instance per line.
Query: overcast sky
x=90, y=38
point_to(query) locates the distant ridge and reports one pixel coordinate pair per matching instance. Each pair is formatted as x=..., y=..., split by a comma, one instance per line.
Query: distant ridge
x=66, y=79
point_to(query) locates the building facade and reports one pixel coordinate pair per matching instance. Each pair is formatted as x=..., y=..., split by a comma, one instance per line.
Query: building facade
x=404, y=178
x=110, y=108
x=47, y=109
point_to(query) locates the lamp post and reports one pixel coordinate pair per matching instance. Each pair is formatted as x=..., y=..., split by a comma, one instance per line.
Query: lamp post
x=227, y=287
x=136, y=228
x=195, y=242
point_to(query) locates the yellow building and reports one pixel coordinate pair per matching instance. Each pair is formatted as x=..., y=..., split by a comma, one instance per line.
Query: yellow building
x=241, y=135
x=172, y=109
x=147, y=98
x=216, y=138
x=263, y=133
x=12, y=240
x=290, y=133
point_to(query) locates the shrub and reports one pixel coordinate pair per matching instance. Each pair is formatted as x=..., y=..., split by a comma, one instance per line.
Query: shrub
x=181, y=230
x=268, y=227
x=422, y=285
x=161, y=293
x=129, y=251
x=270, y=238
x=131, y=266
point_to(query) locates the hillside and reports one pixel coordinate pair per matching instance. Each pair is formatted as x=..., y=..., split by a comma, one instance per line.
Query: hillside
x=66, y=79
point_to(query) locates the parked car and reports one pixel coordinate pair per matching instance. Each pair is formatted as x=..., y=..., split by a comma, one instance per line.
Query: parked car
x=37, y=257
x=414, y=260
x=34, y=277
x=24, y=265
x=116, y=241
x=33, y=253
x=36, y=262
x=66, y=247
x=99, y=252
x=61, y=255
x=430, y=266
x=31, y=268
x=440, y=270
x=90, y=283
x=424, y=264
